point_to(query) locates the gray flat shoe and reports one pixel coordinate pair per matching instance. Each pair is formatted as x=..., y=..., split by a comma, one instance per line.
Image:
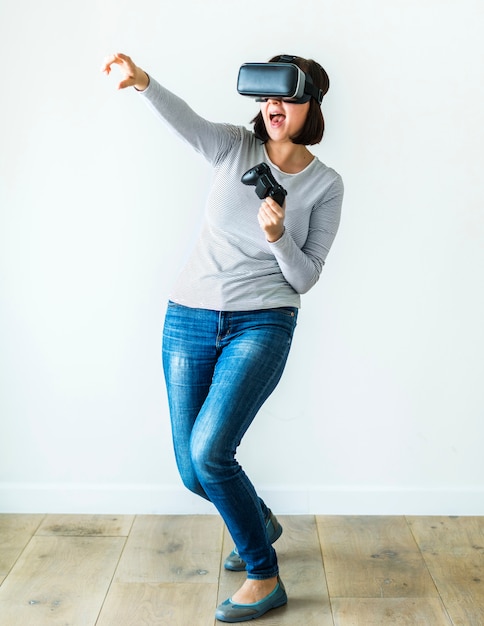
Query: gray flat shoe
x=235, y=563
x=233, y=613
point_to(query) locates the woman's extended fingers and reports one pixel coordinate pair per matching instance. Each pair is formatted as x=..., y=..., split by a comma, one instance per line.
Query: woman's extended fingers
x=126, y=65
x=109, y=60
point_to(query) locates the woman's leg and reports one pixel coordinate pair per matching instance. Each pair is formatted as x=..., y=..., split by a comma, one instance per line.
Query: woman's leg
x=189, y=358
x=216, y=386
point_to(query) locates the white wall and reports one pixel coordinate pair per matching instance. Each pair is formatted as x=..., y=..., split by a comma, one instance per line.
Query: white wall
x=381, y=407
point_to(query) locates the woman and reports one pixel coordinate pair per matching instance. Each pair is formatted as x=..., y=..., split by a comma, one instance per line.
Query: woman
x=233, y=309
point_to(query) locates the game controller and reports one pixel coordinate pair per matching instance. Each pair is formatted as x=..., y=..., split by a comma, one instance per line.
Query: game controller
x=265, y=184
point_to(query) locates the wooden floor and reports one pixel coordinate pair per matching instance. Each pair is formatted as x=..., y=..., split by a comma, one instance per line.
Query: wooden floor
x=88, y=570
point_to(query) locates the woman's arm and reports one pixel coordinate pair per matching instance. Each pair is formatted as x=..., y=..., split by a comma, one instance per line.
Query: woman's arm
x=211, y=139
x=302, y=267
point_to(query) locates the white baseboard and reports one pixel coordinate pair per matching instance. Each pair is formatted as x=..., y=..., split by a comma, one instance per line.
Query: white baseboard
x=167, y=500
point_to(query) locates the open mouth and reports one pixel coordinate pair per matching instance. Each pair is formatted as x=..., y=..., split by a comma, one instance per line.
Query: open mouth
x=276, y=119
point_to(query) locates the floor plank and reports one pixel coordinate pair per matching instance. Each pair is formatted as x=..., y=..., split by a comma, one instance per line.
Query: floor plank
x=369, y=556
x=453, y=549
x=172, y=548
x=59, y=581
x=389, y=612
x=150, y=604
x=15, y=533
x=86, y=525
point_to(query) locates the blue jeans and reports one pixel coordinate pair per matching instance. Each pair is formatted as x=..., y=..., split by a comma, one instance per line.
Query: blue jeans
x=219, y=369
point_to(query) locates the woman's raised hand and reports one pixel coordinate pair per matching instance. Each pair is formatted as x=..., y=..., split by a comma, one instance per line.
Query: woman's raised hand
x=132, y=75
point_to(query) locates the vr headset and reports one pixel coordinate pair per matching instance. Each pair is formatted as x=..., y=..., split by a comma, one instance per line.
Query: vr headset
x=282, y=79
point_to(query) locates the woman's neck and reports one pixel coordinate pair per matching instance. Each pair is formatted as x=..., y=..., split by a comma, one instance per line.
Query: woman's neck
x=289, y=157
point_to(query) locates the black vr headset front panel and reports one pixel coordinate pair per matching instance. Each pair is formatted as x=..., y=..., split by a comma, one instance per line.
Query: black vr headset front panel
x=265, y=80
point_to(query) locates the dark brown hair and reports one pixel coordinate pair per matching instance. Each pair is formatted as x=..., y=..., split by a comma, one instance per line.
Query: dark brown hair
x=313, y=129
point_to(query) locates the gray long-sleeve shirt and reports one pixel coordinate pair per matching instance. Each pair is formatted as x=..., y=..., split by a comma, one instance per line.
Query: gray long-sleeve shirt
x=233, y=267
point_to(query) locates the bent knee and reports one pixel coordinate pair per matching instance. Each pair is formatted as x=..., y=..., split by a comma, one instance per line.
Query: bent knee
x=209, y=462
x=191, y=482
